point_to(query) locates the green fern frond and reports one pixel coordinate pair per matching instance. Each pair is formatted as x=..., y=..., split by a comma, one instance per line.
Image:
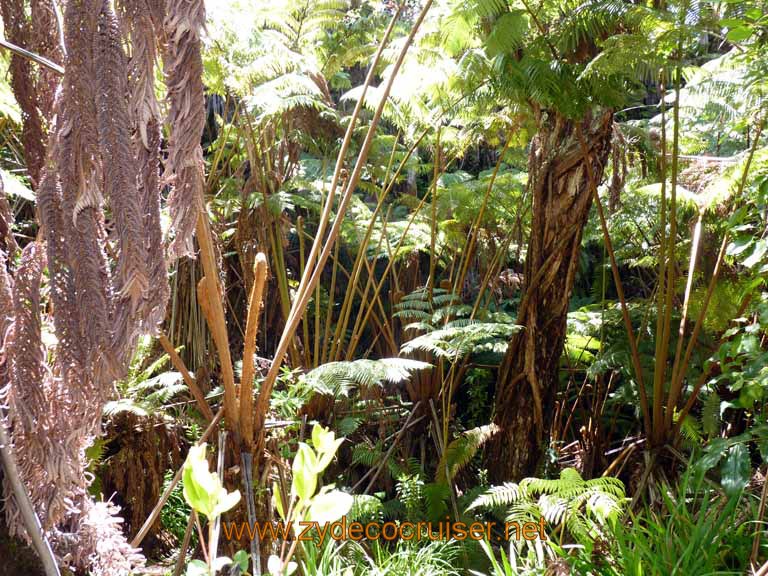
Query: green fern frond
x=436, y=497
x=710, y=414
x=499, y=496
x=460, y=451
x=690, y=430
x=582, y=506
x=458, y=341
x=366, y=454
x=339, y=378
x=366, y=508
x=126, y=405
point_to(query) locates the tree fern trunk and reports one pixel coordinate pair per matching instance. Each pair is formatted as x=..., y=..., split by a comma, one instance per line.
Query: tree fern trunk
x=562, y=197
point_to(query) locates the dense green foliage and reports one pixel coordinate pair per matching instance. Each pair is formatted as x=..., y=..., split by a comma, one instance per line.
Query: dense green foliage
x=656, y=446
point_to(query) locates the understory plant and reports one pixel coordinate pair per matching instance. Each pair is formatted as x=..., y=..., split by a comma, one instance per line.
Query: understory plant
x=308, y=502
x=206, y=495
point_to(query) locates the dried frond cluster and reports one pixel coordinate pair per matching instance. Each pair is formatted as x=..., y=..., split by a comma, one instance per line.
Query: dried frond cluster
x=102, y=163
x=183, y=64
x=34, y=28
x=7, y=241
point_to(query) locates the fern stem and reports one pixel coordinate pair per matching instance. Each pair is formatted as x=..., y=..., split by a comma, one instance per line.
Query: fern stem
x=677, y=383
x=466, y=255
x=661, y=287
x=660, y=422
x=617, y=280
x=178, y=363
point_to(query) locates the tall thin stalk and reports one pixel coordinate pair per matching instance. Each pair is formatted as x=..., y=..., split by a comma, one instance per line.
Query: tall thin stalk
x=314, y=270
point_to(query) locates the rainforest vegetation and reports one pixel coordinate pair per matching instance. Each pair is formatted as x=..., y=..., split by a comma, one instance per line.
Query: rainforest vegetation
x=419, y=276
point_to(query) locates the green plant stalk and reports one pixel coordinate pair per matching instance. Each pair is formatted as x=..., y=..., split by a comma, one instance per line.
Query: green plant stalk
x=302, y=267
x=312, y=278
x=334, y=274
x=340, y=332
x=223, y=144
x=659, y=427
x=686, y=300
x=361, y=254
x=329, y=310
x=658, y=377
x=493, y=269
x=466, y=255
x=364, y=301
x=318, y=322
x=214, y=524
x=355, y=339
x=677, y=383
x=617, y=280
x=433, y=223
x=341, y=158
x=381, y=326
x=385, y=328
x=347, y=304
x=283, y=289
x=273, y=230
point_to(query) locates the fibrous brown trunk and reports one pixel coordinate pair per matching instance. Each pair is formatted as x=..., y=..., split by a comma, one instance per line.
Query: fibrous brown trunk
x=561, y=197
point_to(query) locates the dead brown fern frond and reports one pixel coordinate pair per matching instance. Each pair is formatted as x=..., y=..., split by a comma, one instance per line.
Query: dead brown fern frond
x=45, y=39
x=183, y=65
x=29, y=396
x=144, y=111
x=120, y=173
x=7, y=241
x=32, y=87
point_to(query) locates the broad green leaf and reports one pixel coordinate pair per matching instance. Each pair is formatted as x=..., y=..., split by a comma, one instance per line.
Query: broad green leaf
x=197, y=568
x=304, y=475
x=241, y=559
x=13, y=186
x=198, y=485
x=761, y=247
x=713, y=453
x=327, y=454
x=326, y=444
x=739, y=245
x=277, y=498
x=225, y=501
x=318, y=432
x=736, y=469
x=330, y=506
x=202, y=488
x=739, y=33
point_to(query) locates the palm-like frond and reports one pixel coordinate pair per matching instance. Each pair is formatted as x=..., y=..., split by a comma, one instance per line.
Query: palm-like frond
x=582, y=506
x=498, y=496
x=454, y=342
x=340, y=378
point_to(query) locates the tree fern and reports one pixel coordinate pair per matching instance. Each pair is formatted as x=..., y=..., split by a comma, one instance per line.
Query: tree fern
x=340, y=378
x=148, y=396
x=583, y=507
x=454, y=342
x=366, y=454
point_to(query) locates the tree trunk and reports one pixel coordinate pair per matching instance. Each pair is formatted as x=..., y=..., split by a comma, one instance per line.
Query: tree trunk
x=561, y=197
